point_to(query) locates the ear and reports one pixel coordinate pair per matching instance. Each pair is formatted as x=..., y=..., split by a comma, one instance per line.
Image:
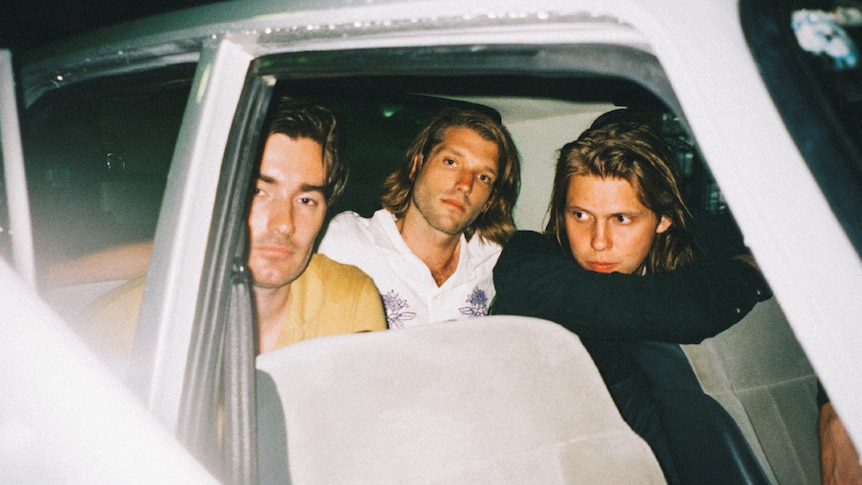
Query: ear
x=663, y=224
x=414, y=169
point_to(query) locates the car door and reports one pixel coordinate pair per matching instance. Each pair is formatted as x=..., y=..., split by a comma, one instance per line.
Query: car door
x=129, y=153
x=65, y=417
x=16, y=240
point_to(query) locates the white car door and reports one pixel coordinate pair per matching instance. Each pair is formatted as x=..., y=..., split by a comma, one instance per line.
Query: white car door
x=65, y=417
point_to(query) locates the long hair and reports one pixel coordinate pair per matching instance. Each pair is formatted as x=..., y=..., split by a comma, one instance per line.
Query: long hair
x=496, y=223
x=632, y=152
x=298, y=118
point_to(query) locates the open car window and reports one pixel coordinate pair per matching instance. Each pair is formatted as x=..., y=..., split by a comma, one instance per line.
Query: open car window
x=381, y=113
x=97, y=158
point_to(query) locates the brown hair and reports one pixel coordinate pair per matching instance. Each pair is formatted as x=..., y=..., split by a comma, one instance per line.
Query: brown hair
x=632, y=152
x=299, y=118
x=496, y=223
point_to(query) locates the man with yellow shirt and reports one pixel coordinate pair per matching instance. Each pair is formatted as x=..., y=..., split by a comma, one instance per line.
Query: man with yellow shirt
x=297, y=295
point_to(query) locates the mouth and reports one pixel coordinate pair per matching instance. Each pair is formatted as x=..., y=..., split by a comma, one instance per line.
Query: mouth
x=600, y=267
x=456, y=204
x=271, y=251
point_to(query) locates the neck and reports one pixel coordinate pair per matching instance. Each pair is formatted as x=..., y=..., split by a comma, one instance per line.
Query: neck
x=272, y=310
x=439, y=251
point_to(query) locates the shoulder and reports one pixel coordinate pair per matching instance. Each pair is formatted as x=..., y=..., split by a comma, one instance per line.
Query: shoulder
x=530, y=241
x=329, y=271
x=521, y=237
x=480, y=246
x=353, y=225
x=481, y=254
x=347, y=221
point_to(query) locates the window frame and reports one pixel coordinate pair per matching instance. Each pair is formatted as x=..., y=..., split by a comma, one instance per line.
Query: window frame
x=228, y=231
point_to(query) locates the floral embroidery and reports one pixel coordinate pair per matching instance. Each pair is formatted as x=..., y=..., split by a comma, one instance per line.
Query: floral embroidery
x=478, y=301
x=394, y=310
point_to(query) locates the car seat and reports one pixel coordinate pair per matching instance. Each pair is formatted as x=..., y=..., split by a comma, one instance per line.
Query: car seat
x=759, y=373
x=497, y=399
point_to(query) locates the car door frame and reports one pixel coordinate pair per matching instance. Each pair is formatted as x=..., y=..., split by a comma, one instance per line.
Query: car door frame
x=20, y=229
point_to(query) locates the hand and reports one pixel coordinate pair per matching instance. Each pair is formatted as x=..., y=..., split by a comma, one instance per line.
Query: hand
x=839, y=460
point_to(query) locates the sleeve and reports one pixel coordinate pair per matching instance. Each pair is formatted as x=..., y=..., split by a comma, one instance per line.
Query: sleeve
x=534, y=277
x=369, y=316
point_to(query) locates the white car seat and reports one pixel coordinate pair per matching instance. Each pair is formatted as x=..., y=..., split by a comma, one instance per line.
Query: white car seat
x=499, y=399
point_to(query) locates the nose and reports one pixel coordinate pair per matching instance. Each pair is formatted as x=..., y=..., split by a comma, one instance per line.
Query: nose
x=281, y=218
x=465, y=181
x=601, y=239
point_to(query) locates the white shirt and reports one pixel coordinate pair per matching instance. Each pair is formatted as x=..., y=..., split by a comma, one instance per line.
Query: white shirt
x=409, y=292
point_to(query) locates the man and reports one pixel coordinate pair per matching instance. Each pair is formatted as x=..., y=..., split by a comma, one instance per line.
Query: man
x=298, y=295
x=446, y=212
x=617, y=208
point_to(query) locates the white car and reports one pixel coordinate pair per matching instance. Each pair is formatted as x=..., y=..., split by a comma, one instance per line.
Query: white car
x=150, y=130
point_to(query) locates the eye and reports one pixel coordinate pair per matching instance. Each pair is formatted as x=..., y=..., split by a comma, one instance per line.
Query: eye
x=449, y=162
x=579, y=215
x=623, y=219
x=486, y=179
x=309, y=201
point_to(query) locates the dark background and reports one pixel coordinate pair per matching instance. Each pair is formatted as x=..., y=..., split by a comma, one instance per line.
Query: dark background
x=28, y=24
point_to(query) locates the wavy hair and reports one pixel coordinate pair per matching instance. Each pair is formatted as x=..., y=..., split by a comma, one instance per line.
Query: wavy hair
x=632, y=152
x=496, y=223
x=299, y=118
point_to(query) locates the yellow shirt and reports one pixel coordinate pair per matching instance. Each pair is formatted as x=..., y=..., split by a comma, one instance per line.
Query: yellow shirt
x=328, y=298
x=331, y=298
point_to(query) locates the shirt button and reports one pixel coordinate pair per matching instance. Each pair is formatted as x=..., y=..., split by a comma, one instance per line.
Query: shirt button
x=738, y=311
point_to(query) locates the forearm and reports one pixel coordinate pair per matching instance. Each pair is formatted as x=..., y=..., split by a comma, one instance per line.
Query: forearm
x=536, y=279
x=119, y=263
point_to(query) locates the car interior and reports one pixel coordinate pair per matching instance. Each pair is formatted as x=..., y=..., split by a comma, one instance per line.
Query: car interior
x=99, y=158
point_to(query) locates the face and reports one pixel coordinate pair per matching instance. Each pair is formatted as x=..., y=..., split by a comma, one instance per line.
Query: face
x=455, y=184
x=608, y=228
x=287, y=210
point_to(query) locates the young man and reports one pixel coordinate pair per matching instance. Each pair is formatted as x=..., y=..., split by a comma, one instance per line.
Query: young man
x=298, y=295
x=446, y=211
x=616, y=208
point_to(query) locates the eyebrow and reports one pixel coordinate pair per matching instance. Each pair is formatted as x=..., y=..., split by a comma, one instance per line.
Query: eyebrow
x=445, y=148
x=573, y=207
x=304, y=188
x=313, y=188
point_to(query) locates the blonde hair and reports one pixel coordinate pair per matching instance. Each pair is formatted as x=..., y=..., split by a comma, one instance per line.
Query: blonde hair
x=632, y=152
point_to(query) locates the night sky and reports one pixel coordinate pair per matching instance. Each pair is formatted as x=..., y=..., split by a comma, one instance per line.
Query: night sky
x=27, y=24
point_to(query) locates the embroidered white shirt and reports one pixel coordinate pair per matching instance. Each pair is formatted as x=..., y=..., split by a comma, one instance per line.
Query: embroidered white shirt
x=409, y=292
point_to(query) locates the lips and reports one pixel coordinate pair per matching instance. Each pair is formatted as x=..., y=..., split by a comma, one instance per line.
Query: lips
x=601, y=267
x=454, y=203
x=273, y=251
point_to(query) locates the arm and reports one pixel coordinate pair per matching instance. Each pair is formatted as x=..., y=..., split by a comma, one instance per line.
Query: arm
x=119, y=263
x=369, y=308
x=534, y=277
x=839, y=460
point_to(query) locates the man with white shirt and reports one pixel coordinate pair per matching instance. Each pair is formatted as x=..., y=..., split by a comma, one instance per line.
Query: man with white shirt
x=446, y=212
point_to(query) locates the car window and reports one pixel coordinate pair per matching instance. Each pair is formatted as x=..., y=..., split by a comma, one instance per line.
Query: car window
x=380, y=115
x=97, y=157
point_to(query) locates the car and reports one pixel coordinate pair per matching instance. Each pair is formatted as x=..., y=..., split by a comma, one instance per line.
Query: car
x=148, y=131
